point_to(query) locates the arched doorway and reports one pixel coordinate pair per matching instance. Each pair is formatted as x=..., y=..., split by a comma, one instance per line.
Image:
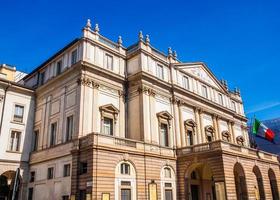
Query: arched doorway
x=6, y=185
x=273, y=184
x=199, y=183
x=240, y=182
x=259, y=189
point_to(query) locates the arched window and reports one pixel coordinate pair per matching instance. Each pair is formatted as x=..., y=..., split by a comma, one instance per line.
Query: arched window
x=168, y=184
x=125, y=181
x=167, y=172
x=240, y=140
x=226, y=136
x=209, y=132
x=259, y=189
x=125, y=169
x=240, y=182
x=190, y=131
x=273, y=184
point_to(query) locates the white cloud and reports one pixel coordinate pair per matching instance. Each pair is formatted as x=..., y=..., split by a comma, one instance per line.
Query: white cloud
x=262, y=107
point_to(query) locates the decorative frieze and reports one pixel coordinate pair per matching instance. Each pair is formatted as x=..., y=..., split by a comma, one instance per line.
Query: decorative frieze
x=146, y=90
x=87, y=82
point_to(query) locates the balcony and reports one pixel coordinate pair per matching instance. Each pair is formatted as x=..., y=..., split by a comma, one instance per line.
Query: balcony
x=227, y=147
x=123, y=144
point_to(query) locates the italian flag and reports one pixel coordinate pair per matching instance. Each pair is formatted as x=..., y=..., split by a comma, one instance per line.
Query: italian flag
x=259, y=129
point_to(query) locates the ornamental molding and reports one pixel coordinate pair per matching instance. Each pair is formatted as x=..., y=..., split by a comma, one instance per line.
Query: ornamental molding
x=146, y=90
x=87, y=82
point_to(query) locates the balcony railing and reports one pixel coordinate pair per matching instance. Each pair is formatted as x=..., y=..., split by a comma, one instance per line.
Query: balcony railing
x=226, y=147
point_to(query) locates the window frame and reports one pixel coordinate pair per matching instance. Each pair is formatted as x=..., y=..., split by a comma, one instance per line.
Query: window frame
x=74, y=56
x=50, y=173
x=160, y=74
x=42, y=77
x=205, y=95
x=186, y=82
x=69, y=136
x=15, y=116
x=35, y=142
x=111, y=112
x=53, y=137
x=220, y=99
x=32, y=176
x=83, y=167
x=58, y=66
x=107, y=56
x=11, y=143
x=125, y=168
x=209, y=132
x=67, y=170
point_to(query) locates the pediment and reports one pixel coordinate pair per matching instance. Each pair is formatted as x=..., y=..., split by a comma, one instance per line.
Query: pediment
x=109, y=108
x=202, y=72
x=164, y=115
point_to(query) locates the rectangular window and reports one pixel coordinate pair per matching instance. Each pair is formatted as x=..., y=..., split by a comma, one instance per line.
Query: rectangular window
x=186, y=82
x=15, y=141
x=125, y=168
x=74, y=57
x=164, y=135
x=30, y=193
x=50, y=173
x=18, y=115
x=168, y=194
x=42, y=78
x=189, y=137
x=109, y=62
x=53, y=134
x=83, y=168
x=32, y=177
x=160, y=72
x=65, y=197
x=233, y=106
x=220, y=99
x=126, y=194
x=108, y=126
x=58, y=67
x=66, y=170
x=69, y=128
x=35, y=140
x=204, y=91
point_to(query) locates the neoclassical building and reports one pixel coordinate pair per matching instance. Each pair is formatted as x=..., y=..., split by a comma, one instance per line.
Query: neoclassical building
x=16, y=128
x=131, y=123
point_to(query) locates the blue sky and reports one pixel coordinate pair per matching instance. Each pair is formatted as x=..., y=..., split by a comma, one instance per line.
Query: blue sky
x=238, y=40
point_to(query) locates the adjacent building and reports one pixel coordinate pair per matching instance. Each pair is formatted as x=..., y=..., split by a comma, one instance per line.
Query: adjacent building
x=131, y=123
x=16, y=128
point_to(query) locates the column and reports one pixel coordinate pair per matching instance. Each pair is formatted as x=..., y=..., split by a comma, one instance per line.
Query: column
x=121, y=118
x=181, y=124
x=177, y=124
x=198, y=127
x=231, y=131
x=216, y=127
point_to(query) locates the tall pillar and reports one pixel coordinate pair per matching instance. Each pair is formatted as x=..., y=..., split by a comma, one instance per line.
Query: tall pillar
x=200, y=131
x=231, y=131
x=216, y=127
x=182, y=128
x=177, y=124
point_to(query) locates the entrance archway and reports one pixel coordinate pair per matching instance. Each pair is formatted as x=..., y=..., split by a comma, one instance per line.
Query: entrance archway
x=240, y=182
x=199, y=182
x=273, y=184
x=259, y=189
x=6, y=184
